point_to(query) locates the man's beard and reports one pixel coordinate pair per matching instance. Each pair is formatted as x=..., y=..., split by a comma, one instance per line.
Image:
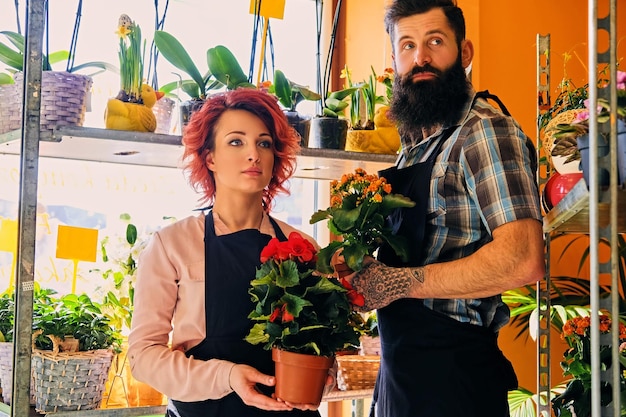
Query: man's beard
x=430, y=103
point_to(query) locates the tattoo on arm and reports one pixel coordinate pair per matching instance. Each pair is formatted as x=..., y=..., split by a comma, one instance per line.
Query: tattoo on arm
x=381, y=285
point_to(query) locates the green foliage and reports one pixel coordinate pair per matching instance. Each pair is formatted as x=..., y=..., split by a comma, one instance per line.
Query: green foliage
x=131, y=54
x=359, y=206
x=289, y=93
x=77, y=316
x=226, y=69
x=13, y=56
x=173, y=51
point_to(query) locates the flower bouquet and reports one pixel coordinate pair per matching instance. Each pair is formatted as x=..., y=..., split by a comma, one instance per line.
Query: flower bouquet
x=299, y=313
x=576, y=399
x=359, y=206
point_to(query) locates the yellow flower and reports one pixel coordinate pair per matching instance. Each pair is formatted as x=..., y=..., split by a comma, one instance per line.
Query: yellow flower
x=122, y=31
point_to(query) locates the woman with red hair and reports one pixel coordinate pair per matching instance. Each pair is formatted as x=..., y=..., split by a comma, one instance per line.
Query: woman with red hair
x=193, y=277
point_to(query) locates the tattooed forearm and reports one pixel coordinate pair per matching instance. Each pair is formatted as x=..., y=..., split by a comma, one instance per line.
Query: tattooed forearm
x=381, y=285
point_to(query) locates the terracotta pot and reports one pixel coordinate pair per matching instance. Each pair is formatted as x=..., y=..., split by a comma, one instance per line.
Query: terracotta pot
x=300, y=378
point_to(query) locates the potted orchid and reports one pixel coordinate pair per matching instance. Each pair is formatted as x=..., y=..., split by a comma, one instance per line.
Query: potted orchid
x=301, y=315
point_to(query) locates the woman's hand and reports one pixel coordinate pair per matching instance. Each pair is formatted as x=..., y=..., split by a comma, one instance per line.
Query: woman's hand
x=243, y=380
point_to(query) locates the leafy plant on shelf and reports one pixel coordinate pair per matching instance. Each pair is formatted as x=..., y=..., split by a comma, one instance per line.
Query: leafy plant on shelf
x=77, y=316
x=290, y=94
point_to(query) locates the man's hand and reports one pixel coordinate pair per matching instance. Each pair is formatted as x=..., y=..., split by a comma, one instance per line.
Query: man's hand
x=381, y=285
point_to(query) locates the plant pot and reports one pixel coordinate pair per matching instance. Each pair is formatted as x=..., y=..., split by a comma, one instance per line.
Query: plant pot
x=370, y=345
x=383, y=140
x=558, y=185
x=300, y=378
x=621, y=151
x=6, y=373
x=163, y=112
x=10, y=108
x=187, y=108
x=64, y=98
x=603, y=150
x=328, y=133
x=302, y=124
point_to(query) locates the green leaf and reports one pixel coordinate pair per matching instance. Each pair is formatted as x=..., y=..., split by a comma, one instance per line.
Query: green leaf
x=131, y=234
x=13, y=59
x=225, y=68
x=176, y=54
x=282, y=89
x=289, y=276
x=257, y=334
x=319, y=216
x=6, y=79
x=353, y=255
x=324, y=256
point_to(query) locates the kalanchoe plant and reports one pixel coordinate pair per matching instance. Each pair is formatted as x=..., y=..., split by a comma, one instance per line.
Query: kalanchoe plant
x=577, y=365
x=296, y=309
x=358, y=208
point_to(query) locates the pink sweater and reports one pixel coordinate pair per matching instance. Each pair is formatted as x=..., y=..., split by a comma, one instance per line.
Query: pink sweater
x=169, y=302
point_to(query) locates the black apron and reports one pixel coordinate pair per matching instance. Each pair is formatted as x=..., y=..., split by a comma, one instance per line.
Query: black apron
x=432, y=365
x=230, y=264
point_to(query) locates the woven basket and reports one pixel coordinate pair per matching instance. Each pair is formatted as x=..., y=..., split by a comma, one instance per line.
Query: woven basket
x=10, y=107
x=64, y=98
x=70, y=381
x=6, y=373
x=357, y=371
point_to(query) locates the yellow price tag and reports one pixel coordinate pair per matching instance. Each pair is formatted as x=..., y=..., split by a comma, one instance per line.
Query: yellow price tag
x=77, y=243
x=8, y=235
x=268, y=8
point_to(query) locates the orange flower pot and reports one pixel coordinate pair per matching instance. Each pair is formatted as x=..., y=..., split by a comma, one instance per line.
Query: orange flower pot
x=300, y=378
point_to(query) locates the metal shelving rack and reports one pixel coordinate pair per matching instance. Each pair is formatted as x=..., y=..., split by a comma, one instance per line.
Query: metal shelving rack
x=104, y=145
x=590, y=210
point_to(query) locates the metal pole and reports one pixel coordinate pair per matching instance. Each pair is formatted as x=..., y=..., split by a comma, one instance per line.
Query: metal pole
x=27, y=218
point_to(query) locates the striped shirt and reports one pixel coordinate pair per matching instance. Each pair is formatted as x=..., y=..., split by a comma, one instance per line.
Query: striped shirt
x=481, y=179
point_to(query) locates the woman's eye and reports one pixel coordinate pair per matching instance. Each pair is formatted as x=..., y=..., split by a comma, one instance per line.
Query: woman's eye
x=266, y=144
x=235, y=142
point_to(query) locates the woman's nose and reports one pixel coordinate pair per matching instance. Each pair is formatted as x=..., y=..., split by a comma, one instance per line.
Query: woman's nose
x=253, y=156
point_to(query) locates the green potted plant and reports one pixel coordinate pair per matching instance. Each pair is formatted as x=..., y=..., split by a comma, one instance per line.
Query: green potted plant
x=300, y=315
x=72, y=379
x=289, y=95
x=376, y=133
x=359, y=204
x=329, y=129
x=64, y=93
x=223, y=71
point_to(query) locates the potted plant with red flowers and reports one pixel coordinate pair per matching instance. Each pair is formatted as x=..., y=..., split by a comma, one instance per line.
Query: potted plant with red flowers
x=301, y=315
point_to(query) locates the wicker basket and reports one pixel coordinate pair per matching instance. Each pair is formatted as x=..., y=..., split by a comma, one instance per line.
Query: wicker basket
x=64, y=98
x=357, y=371
x=6, y=373
x=70, y=381
x=10, y=107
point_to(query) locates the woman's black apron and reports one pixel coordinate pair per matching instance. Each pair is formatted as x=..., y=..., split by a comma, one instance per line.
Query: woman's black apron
x=433, y=365
x=230, y=264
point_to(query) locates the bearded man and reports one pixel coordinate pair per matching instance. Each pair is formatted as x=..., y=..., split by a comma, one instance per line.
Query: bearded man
x=475, y=231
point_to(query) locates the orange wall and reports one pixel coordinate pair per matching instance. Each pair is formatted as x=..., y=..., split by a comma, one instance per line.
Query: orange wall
x=504, y=35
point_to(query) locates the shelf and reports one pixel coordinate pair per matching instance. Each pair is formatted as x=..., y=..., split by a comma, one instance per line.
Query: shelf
x=572, y=213
x=149, y=149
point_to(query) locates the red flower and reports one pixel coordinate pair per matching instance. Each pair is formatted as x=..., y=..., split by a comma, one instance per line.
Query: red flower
x=287, y=316
x=275, y=315
x=355, y=298
x=301, y=247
